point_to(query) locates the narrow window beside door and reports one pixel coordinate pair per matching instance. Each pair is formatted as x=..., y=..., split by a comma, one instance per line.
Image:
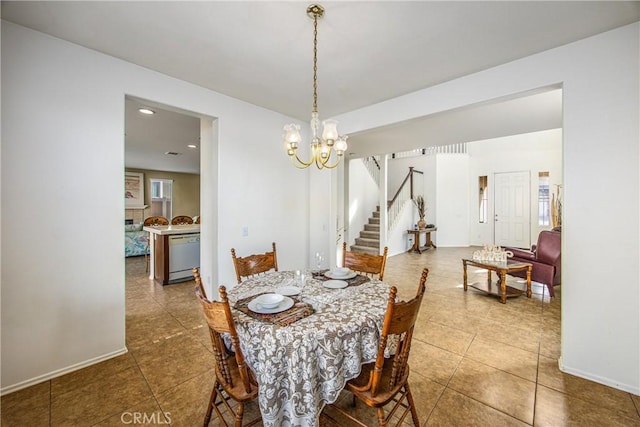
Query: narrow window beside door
x=483, y=199
x=543, y=199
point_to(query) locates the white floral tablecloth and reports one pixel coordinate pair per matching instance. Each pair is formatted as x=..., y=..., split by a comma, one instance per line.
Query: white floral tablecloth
x=303, y=366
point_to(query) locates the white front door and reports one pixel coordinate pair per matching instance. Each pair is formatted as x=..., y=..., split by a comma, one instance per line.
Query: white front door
x=512, y=212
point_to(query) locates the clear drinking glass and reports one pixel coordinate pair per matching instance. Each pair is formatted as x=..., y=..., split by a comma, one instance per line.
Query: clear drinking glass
x=319, y=260
x=299, y=278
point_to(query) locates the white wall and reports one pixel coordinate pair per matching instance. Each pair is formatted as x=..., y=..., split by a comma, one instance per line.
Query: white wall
x=599, y=77
x=398, y=169
x=534, y=152
x=63, y=149
x=452, y=199
x=398, y=240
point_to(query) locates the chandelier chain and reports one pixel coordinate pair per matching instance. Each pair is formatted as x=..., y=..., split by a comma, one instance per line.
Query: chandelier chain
x=315, y=63
x=327, y=145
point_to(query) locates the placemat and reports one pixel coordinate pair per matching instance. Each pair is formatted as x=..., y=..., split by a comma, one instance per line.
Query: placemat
x=355, y=281
x=300, y=310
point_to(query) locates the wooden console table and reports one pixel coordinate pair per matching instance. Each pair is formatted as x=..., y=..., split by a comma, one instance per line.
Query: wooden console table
x=416, y=239
x=502, y=269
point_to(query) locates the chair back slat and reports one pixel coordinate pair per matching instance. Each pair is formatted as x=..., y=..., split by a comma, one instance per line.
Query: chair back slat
x=154, y=221
x=181, y=220
x=367, y=264
x=198, y=280
x=399, y=322
x=254, y=264
x=220, y=321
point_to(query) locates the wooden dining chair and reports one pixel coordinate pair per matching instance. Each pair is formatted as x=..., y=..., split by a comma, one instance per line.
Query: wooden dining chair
x=367, y=264
x=234, y=379
x=387, y=379
x=198, y=280
x=181, y=220
x=254, y=264
x=152, y=221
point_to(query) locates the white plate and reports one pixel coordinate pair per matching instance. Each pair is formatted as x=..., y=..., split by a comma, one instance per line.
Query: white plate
x=335, y=284
x=287, y=290
x=257, y=308
x=331, y=275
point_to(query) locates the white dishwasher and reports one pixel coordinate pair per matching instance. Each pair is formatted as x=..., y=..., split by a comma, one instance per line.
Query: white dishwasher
x=184, y=255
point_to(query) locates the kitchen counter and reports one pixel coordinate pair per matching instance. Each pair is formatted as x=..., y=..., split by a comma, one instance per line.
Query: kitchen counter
x=173, y=229
x=175, y=250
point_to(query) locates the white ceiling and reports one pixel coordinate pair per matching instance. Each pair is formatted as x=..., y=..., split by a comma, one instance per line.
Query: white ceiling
x=368, y=52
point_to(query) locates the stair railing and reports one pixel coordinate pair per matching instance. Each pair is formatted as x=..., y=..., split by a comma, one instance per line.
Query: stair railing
x=373, y=166
x=404, y=193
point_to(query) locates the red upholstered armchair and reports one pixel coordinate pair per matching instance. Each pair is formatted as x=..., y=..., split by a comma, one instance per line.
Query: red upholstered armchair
x=545, y=257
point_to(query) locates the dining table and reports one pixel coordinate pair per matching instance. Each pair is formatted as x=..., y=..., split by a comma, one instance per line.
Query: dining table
x=303, y=356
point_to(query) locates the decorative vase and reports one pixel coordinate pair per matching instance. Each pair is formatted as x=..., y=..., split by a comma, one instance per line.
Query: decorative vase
x=422, y=224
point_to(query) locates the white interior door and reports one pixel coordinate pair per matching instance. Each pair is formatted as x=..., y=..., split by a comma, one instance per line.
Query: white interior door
x=512, y=212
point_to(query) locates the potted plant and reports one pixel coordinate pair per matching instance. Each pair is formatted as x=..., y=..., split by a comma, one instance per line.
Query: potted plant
x=422, y=210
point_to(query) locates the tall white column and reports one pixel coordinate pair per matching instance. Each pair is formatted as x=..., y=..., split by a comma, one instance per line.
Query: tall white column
x=382, y=201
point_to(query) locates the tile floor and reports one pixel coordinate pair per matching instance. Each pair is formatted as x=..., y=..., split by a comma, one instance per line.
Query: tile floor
x=474, y=361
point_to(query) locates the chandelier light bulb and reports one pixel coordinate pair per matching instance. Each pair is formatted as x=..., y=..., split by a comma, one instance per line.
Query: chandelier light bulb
x=330, y=131
x=341, y=145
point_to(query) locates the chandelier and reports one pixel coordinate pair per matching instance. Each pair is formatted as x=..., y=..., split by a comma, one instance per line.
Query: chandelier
x=329, y=142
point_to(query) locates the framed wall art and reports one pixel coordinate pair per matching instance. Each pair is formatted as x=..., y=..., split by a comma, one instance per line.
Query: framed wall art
x=133, y=189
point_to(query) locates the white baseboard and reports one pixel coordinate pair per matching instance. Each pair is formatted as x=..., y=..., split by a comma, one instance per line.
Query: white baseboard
x=595, y=378
x=59, y=372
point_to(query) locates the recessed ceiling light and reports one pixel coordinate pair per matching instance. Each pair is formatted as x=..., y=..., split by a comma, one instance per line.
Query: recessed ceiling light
x=192, y=146
x=146, y=111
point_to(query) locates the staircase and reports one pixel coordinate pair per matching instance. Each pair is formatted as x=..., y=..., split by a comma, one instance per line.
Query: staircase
x=369, y=240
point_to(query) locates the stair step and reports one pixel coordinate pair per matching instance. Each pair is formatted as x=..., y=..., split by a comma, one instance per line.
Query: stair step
x=370, y=234
x=376, y=214
x=374, y=221
x=372, y=227
x=365, y=249
x=374, y=243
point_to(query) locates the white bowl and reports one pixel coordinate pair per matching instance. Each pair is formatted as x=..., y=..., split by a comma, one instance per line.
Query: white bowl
x=341, y=271
x=269, y=300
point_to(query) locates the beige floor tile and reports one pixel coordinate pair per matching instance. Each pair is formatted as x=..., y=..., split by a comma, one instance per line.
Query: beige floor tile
x=445, y=337
x=529, y=321
x=426, y=394
x=554, y=408
x=550, y=376
x=99, y=372
x=432, y=362
x=457, y=319
x=505, y=357
x=27, y=407
x=172, y=361
x=506, y=392
x=550, y=343
x=187, y=403
x=144, y=330
x=202, y=335
x=513, y=335
x=143, y=305
x=186, y=315
x=455, y=409
x=636, y=401
x=100, y=400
